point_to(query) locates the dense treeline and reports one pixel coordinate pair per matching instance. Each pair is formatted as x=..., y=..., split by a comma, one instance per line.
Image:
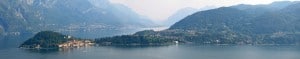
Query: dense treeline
x=45, y=39
x=135, y=40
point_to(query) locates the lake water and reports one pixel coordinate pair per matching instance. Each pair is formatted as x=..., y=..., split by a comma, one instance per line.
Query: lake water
x=158, y=52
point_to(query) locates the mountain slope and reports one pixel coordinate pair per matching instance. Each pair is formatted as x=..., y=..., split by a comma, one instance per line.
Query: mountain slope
x=241, y=24
x=212, y=19
x=180, y=14
x=267, y=24
x=80, y=18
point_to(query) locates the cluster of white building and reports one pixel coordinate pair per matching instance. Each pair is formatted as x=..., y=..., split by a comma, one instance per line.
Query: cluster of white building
x=76, y=44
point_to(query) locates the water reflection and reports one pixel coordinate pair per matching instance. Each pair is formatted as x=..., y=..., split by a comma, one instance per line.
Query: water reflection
x=42, y=51
x=160, y=52
x=134, y=46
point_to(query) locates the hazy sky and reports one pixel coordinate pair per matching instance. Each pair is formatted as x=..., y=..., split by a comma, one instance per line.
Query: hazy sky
x=159, y=10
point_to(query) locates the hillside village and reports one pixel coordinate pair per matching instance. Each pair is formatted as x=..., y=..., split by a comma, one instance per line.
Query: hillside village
x=76, y=44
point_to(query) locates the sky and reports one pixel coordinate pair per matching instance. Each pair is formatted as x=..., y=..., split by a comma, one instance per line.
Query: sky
x=160, y=10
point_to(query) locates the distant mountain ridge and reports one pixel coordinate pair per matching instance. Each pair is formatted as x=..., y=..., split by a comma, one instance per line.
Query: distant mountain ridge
x=182, y=13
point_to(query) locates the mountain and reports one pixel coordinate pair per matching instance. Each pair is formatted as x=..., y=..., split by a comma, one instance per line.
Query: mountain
x=204, y=20
x=182, y=13
x=272, y=24
x=293, y=9
x=259, y=9
x=240, y=24
x=21, y=19
x=294, y=14
x=127, y=15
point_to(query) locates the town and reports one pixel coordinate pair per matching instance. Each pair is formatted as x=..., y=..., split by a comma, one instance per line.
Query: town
x=73, y=43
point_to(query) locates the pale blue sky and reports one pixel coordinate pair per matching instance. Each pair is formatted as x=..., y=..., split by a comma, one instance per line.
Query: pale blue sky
x=160, y=10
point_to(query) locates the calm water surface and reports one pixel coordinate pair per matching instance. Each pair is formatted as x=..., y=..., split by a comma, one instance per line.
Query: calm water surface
x=159, y=52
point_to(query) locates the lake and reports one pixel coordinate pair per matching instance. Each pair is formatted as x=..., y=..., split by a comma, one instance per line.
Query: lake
x=158, y=52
